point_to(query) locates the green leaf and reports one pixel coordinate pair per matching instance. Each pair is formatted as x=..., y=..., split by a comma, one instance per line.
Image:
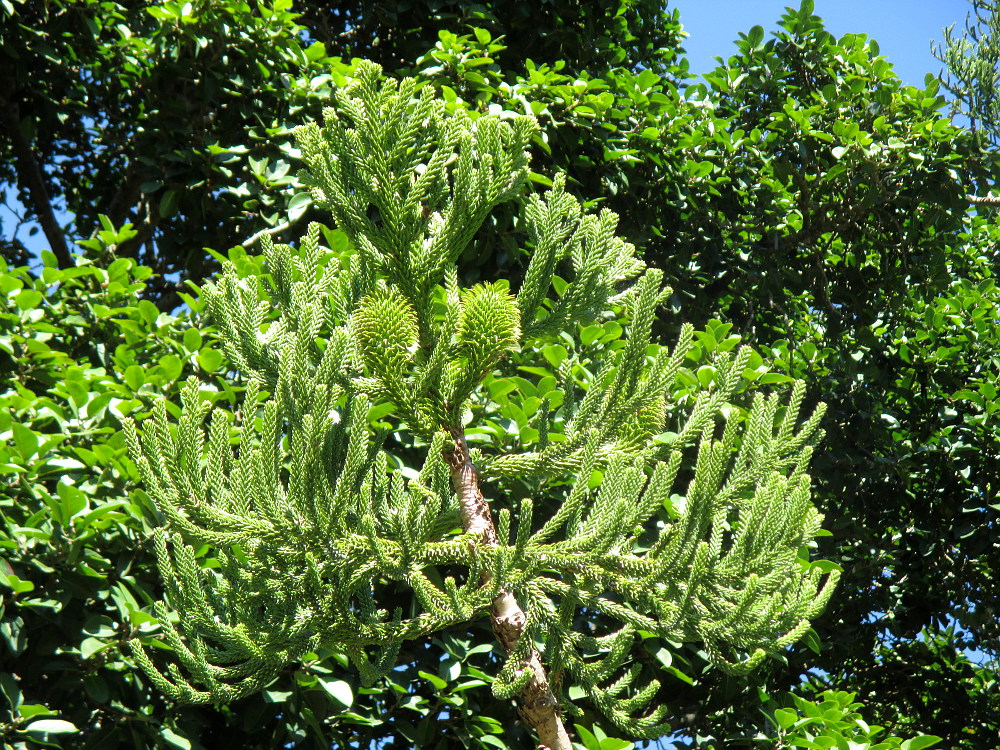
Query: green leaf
x=10, y=689
x=920, y=742
x=17, y=585
x=91, y=646
x=500, y=387
x=339, y=690
x=378, y=411
x=587, y=738
x=680, y=675
x=450, y=669
x=51, y=726
x=175, y=740
x=210, y=360
x=589, y=334
x=28, y=299
x=433, y=679
x=192, y=339
x=785, y=717
x=493, y=741
x=100, y=626
x=134, y=377
x=169, y=368
x=555, y=354
x=168, y=203
x=811, y=640
x=149, y=312
x=73, y=499
x=35, y=709
x=25, y=440
x=96, y=688
x=298, y=205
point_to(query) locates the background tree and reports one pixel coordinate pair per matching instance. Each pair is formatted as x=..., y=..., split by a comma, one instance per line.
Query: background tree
x=866, y=182
x=125, y=109
x=78, y=351
x=596, y=36
x=131, y=109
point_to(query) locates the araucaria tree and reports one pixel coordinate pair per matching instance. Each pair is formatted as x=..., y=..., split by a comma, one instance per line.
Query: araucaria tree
x=973, y=69
x=344, y=506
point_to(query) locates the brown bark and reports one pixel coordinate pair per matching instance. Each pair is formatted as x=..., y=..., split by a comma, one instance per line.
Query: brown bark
x=536, y=702
x=29, y=173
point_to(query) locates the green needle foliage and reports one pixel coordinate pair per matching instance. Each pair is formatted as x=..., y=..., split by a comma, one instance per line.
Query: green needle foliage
x=972, y=61
x=316, y=528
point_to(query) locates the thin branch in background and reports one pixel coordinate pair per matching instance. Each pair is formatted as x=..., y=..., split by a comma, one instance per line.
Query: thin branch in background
x=984, y=200
x=254, y=239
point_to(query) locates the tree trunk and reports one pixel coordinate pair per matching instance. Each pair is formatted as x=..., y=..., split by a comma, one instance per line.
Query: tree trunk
x=29, y=172
x=536, y=703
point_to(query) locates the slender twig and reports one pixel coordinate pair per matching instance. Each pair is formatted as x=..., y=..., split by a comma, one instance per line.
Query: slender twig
x=254, y=239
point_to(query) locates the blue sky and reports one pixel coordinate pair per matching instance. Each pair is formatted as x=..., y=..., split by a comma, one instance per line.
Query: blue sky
x=903, y=28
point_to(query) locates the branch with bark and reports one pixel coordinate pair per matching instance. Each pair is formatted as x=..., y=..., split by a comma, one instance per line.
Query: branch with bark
x=536, y=703
x=984, y=200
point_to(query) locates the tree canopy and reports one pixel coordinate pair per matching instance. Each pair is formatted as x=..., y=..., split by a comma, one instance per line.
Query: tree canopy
x=800, y=200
